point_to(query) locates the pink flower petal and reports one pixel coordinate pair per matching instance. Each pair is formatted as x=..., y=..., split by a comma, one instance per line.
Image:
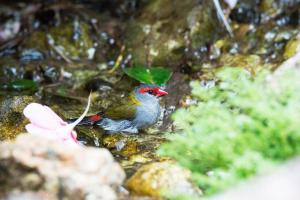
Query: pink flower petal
x=47, y=123
x=43, y=116
x=66, y=130
x=33, y=129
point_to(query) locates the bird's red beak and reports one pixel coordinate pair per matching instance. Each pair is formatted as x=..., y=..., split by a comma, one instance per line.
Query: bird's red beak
x=160, y=93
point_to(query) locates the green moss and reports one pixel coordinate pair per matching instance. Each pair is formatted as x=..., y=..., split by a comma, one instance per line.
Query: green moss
x=36, y=40
x=237, y=128
x=12, y=119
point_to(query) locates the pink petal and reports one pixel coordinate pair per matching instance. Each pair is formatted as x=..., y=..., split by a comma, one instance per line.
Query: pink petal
x=43, y=116
x=33, y=129
x=47, y=123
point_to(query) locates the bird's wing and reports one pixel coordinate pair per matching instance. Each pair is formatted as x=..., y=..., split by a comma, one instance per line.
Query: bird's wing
x=126, y=110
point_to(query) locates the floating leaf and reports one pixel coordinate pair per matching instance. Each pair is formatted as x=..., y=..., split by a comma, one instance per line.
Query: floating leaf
x=22, y=84
x=155, y=75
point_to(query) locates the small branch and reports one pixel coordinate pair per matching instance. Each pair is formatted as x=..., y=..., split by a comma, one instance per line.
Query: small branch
x=56, y=49
x=223, y=18
x=118, y=61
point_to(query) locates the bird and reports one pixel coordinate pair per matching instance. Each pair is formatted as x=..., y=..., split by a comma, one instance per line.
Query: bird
x=139, y=110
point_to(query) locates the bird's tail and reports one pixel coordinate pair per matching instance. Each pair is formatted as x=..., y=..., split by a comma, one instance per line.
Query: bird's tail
x=88, y=120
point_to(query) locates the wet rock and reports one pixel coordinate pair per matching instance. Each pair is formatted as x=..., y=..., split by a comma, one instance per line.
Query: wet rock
x=89, y=135
x=50, y=73
x=203, y=24
x=123, y=8
x=38, y=71
x=249, y=62
x=81, y=76
x=292, y=47
x=31, y=55
x=185, y=68
x=98, y=84
x=10, y=70
x=287, y=19
x=159, y=178
x=35, y=163
x=12, y=120
x=121, y=144
x=154, y=38
x=246, y=12
x=62, y=40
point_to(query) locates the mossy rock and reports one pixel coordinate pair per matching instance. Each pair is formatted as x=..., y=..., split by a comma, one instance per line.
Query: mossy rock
x=161, y=178
x=154, y=32
x=291, y=48
x=120, y=144
x=248, y=62
x=63, y=38
x=11, y=114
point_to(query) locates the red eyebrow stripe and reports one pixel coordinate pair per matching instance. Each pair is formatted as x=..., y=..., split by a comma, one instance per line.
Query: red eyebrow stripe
x=144, y=90
x=95, y=118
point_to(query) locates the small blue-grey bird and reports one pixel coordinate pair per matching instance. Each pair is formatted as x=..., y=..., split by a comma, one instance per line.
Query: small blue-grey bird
x=139, y=110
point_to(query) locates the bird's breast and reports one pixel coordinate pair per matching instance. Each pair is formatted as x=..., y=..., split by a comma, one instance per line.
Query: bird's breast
x=147, y=115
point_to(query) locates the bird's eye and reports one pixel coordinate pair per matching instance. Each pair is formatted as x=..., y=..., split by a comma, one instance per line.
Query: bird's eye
x=150, y=91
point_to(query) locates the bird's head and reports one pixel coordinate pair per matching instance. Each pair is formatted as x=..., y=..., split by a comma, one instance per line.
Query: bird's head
x=149, y=91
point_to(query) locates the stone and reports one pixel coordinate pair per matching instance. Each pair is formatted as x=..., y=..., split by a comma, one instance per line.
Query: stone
x=249, y=62
x=153, y=37
x=159, y=178
x=121, y=144
x=292, y=47
x=61, y=37
x=12, y=120
x=35, y=163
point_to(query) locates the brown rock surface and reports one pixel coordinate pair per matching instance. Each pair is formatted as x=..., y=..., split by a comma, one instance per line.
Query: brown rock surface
x=38, y=164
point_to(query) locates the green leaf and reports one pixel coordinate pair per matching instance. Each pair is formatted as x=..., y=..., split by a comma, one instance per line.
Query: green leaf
x=19, y=85
x=139, y=73
x=156, y=75
x=160, y=75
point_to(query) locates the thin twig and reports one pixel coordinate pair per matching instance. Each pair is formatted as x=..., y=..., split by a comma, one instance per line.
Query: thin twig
x=56, y=49
x=118, y=61
x=223, y=18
